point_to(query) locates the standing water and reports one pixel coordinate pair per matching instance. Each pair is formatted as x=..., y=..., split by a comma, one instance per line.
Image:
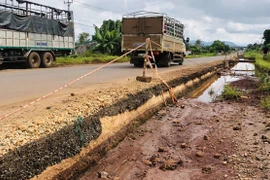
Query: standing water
x=208, y=91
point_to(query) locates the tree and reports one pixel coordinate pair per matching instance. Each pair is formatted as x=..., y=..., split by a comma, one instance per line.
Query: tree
x=198, y=43
x=108, y=37
x=266, y=37
x=83, y=37
x=218, y=46
x=226, y=48
x=254, y=47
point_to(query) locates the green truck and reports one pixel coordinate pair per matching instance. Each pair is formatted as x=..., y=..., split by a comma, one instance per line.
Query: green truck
x=34, y=34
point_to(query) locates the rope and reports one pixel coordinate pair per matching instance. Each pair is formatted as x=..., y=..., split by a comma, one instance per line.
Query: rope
x=149, y=47
x=69, y=84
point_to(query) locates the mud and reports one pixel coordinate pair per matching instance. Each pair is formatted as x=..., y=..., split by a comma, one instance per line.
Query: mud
x=33, y=158
x=222, y=140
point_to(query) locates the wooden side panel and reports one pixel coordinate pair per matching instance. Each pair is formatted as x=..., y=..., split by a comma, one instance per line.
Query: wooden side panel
x=132, y=41
x=166, y=43
x=173, y=44
x=143, y=25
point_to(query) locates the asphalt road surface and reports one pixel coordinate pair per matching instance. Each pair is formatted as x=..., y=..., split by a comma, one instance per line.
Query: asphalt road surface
x=18, y=85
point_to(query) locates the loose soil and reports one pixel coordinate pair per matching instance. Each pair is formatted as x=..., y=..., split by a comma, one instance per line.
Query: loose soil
x=194, y=140
x=45, y=134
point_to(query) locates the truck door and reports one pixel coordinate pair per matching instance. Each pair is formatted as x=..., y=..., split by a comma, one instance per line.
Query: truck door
x=151, y=25
x=141, y=22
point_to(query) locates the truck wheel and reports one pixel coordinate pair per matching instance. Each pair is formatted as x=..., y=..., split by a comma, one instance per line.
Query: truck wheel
x=138, y=65
x=33, y=60
x=47, y=59
x=168, y=60
x=181, y=63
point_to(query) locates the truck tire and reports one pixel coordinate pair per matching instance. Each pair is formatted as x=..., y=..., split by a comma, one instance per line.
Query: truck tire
x=33, y=60
x=168, y=60
x=47, y=59
x=181, y=63
x=164, y=60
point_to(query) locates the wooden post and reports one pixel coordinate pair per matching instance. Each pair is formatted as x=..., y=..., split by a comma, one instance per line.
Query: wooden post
x=26, y=8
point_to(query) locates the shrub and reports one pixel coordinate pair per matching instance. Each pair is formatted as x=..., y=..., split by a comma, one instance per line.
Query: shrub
x=231, y=93
x=265, y=102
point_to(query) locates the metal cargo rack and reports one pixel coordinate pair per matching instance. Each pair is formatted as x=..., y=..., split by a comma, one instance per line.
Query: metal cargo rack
x=171, y=26
x=28, y=8
x=139, y=14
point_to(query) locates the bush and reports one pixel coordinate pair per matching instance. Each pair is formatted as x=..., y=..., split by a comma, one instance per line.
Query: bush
x=231, y=93
x=264, y=81
x=265, y=102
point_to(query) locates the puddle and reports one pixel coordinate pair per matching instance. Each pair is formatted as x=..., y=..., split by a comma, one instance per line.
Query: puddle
x=208, y=91
x=244, y=69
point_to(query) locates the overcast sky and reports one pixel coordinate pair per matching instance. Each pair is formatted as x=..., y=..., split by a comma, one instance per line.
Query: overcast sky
x=240, y=21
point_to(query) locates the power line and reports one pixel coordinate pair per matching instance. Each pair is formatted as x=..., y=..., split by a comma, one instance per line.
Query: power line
x=84, y=20
x=94, y=7
x=83, y=24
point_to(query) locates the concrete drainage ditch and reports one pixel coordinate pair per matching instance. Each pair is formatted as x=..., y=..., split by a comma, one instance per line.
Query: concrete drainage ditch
x=94, y=133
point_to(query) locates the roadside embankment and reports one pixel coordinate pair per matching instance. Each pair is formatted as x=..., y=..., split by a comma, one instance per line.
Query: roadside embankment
x=68, y=137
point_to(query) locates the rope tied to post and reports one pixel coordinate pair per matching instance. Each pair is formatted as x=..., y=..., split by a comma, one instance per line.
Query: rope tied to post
x=147, y=59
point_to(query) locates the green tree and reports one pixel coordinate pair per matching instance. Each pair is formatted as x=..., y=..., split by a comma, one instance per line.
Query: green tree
x=84, y=37
x=198, y=43
x=254, y=47
x=218, y=46
x=195, y=50
x=266, y=37
x=110, y=25
x=197, y=47
x=108, y=37
x=227, y=48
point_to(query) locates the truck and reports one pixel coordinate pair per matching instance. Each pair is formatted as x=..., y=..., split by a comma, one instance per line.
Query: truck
x=165, y=32
x=34, y=34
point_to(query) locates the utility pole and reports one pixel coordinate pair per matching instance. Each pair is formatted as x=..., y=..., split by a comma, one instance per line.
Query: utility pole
x=69, y=2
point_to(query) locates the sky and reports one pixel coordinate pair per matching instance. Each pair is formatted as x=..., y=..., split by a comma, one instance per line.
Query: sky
x=240, y=21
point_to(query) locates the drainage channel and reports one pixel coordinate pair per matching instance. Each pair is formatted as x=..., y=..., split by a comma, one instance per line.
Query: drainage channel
x=100, y=132
x=208, y=91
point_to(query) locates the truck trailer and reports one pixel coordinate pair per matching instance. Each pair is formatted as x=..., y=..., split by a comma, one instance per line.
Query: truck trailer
x=34, y=34
x=166, y=33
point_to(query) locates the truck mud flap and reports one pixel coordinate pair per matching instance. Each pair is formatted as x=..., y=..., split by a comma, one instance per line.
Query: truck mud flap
x=1, y=61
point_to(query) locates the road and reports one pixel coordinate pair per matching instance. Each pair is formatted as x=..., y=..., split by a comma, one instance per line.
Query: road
x=25, y=84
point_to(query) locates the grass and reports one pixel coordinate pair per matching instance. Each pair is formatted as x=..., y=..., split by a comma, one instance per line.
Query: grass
x=88, y=58
x=201, y=55
x=262, y=70
x=263, y=64
x=265, y=102
x=231, y=93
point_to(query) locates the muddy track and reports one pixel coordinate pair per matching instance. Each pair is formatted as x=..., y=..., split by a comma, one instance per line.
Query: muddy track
x=33, y=158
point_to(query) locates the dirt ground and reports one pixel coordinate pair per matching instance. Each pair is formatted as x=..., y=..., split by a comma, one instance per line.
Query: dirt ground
x=194, y=140
x=40, y=123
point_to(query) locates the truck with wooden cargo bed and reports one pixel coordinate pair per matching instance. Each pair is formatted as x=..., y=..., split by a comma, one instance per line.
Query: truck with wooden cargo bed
x=34, y=34
x=166, y=33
